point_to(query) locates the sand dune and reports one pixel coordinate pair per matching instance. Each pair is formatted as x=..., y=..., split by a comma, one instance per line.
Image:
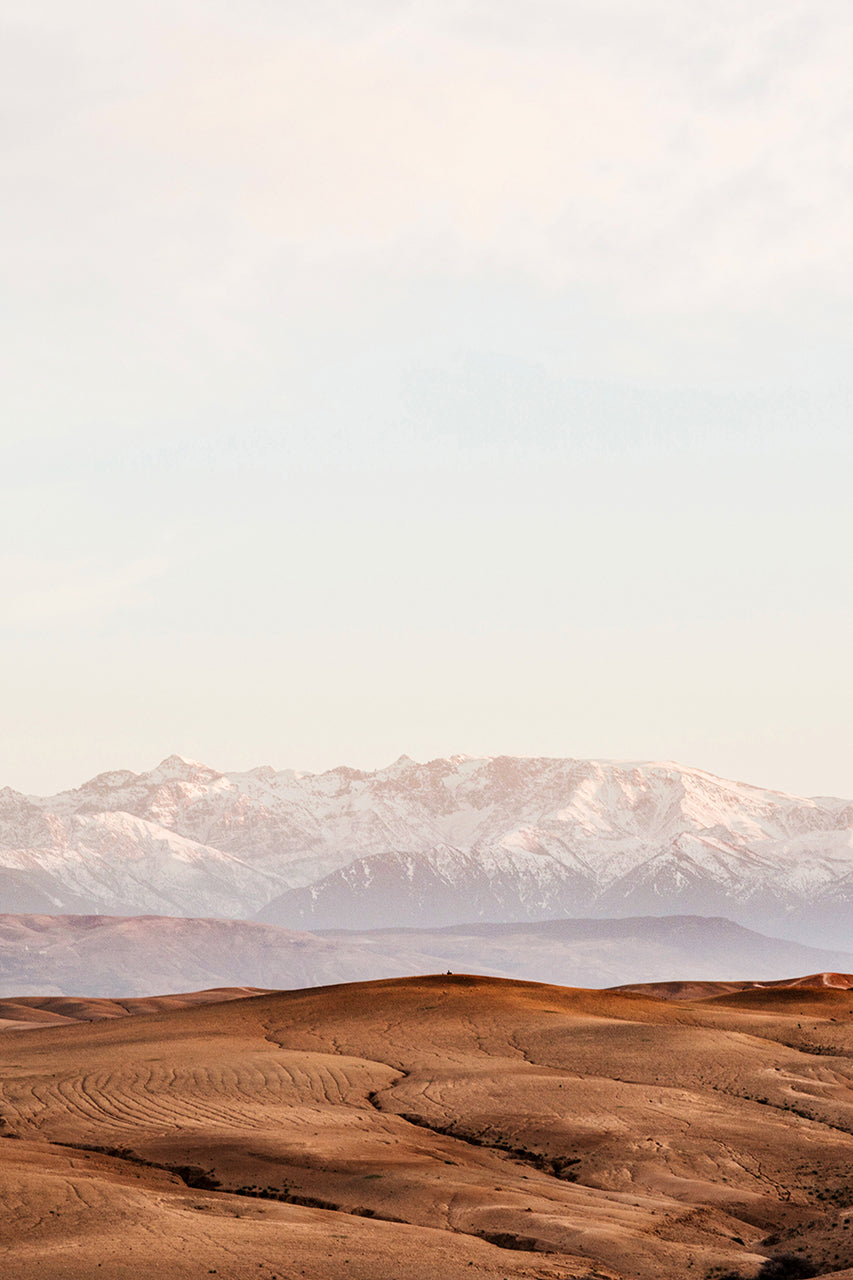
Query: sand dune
x=431, y=1127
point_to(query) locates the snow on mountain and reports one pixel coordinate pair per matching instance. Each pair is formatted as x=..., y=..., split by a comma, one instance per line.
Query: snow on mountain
x=120, y=862
x=443, y=884
x=495, y=838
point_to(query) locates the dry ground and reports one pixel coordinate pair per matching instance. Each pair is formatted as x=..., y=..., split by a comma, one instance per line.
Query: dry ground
x=427, y=1128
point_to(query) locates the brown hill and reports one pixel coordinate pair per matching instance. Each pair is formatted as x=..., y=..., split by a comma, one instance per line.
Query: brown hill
x=697, y=989
x=23, y=1012
x=424, y=1127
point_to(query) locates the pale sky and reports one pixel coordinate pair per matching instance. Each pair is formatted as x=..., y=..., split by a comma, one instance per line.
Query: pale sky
x=429, y=378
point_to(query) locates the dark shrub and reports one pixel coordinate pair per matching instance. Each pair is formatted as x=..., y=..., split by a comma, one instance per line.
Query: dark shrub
x=787, y=1266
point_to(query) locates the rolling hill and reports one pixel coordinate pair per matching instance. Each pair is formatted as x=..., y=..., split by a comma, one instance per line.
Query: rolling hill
x=435, y=1126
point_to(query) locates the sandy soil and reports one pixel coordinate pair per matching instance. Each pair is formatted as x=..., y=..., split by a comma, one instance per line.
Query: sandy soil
x=430, y=1127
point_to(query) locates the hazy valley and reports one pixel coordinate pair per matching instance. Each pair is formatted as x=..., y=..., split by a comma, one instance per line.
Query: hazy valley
x=147, y=955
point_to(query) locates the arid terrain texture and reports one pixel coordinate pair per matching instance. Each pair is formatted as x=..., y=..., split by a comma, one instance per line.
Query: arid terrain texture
x=423, y=1128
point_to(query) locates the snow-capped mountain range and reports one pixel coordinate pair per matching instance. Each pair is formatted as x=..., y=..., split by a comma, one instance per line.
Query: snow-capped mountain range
x=450, y=841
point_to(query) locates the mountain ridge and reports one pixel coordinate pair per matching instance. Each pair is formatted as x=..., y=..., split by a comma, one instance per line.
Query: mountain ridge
x=493, y=838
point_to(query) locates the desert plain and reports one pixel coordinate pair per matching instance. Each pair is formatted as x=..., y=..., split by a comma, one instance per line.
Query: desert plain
x=436, y=1127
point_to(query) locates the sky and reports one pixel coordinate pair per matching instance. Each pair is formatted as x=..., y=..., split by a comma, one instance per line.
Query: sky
x=460, y=376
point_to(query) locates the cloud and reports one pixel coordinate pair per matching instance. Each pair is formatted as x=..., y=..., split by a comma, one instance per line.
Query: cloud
x=676, y=160
x=208, y=209
x=41, y=593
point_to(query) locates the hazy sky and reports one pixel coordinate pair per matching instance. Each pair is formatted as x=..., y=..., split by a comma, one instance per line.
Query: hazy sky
x=427, y=377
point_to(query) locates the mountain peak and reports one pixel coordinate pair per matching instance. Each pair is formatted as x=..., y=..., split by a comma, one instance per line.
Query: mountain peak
x=175, y=766
x=402, y=764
